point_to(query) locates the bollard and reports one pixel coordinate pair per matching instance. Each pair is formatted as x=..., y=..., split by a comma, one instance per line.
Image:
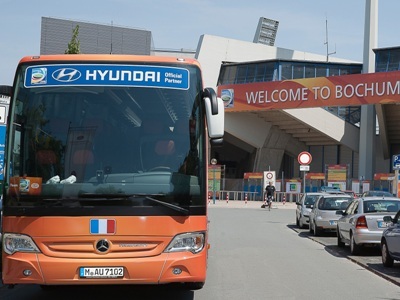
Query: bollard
x=245, y=199
x=284, y=199
x=209, y=198
x=227, y=197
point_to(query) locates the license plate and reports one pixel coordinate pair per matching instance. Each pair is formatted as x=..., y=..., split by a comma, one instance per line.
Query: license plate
x=101, y=272
x=333, y=222
x=382, y=224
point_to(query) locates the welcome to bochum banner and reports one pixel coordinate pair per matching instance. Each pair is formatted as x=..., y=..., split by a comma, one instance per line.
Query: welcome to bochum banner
x=345, y=90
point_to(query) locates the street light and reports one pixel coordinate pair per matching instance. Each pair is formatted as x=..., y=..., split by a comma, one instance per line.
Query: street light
x=214, y=162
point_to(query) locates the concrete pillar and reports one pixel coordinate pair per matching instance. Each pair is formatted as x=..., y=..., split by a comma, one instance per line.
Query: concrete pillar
x=368, y=115
x=270, y=159
x=269, y=156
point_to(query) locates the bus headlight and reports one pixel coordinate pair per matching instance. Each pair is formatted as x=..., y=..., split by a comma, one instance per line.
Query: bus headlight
x=18, y=243
x=193, y=242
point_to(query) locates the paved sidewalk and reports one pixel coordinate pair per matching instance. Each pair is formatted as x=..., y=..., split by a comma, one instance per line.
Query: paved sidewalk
x=250, y=204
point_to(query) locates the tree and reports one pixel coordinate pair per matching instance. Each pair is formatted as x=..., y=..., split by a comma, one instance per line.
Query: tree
x=73, y=45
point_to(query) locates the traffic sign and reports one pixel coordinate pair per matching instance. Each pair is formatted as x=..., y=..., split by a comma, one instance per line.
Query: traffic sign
x=304, y=158
x=396, y=162
x=304, y=168
x=269, y=175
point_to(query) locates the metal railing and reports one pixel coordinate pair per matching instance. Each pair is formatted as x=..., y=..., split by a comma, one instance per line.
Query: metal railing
x=255, y=196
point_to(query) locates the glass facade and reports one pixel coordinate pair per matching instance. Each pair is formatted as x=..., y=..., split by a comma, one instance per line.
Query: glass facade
x=387, y=59
x=274, y=70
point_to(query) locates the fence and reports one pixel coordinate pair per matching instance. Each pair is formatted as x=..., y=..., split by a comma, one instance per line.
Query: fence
x=254, y=196
x=236, y=189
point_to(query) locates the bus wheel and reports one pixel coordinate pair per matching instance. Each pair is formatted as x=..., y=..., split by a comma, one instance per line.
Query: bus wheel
x=48, y=287
x=193, y=285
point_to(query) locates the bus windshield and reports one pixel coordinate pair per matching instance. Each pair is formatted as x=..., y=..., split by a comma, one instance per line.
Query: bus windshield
x=115, y=148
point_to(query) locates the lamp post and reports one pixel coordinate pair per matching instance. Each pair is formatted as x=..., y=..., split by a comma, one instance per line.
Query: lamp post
x=213, y=162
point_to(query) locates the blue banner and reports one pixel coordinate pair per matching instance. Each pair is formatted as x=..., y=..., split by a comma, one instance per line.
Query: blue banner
x=107, y=75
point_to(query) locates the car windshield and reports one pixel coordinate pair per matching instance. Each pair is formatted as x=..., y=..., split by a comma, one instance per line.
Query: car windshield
x=377, y=194
x=310, y=199
x=98, y=144
x=333, y=203
x=381, y=206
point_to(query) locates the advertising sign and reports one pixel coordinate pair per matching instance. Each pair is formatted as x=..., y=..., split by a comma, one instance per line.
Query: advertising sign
x=214, y=178
x=107, y=75
x=345, y=90
x=337, y=173
x=4, y=103
x=293, y=187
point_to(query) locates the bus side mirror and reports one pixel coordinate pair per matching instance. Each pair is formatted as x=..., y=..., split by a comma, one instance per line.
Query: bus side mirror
x=215, y=114
x=5, y=90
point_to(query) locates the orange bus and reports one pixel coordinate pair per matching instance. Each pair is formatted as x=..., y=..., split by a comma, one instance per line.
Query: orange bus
x=106, y=171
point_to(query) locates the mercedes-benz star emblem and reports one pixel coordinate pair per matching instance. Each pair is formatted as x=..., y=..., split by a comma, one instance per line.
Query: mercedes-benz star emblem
x=102, y=246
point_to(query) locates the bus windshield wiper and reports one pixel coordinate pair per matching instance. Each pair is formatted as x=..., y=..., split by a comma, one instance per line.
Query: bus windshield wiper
x=169, y=205
x=96, y=196
x=150, y=197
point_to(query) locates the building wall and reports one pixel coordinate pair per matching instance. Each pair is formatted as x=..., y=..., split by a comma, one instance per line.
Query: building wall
x=93, y=38
x=213, y=50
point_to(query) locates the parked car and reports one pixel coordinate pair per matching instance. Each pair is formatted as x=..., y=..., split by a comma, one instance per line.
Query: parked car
x=376, y=193
x=351, y=193
x=362, y=224
x=303, y=208
x=323, y=215
x=330, y=189
x=390, y=240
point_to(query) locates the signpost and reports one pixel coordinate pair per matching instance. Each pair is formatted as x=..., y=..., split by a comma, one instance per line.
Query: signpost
x=214, y=162
x=304, y=159
x=396, y=168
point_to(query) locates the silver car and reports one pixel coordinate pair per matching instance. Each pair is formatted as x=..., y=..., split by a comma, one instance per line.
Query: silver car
x=323, y=215
x=303, y=208
x=390, y=241
x=376, y=193
x=362, y=222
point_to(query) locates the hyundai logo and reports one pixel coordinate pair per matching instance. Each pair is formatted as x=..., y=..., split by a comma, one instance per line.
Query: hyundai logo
x=66, y=75
x=102, y=246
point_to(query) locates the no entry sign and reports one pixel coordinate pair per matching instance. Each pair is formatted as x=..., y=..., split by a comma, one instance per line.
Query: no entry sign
x=304, y=158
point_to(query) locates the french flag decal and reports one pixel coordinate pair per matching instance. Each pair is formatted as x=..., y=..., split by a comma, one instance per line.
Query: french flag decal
x=102, y=226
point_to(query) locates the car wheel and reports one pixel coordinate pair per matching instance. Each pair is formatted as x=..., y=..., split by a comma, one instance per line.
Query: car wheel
x=339, y=239
x=311, y=228
x=354, y=247
x=301, y=224
x=387, y=260
x=317, y=231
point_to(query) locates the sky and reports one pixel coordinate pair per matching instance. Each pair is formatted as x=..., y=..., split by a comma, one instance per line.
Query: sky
x=177, y=24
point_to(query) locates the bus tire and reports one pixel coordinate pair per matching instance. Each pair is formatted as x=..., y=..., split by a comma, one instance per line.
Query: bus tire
x=194, y=285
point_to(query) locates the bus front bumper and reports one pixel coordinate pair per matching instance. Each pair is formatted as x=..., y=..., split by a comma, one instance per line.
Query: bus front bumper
x=178, y=267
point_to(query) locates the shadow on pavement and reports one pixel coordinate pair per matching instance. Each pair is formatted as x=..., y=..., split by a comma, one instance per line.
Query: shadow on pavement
x=95, y=292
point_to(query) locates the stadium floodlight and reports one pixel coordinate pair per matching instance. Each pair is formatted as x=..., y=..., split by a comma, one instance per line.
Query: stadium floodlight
x=266, y=31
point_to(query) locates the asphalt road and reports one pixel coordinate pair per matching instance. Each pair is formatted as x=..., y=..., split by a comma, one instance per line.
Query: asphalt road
x=370, y=259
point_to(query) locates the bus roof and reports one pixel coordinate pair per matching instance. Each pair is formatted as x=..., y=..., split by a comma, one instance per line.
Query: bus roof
x=108, y=58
